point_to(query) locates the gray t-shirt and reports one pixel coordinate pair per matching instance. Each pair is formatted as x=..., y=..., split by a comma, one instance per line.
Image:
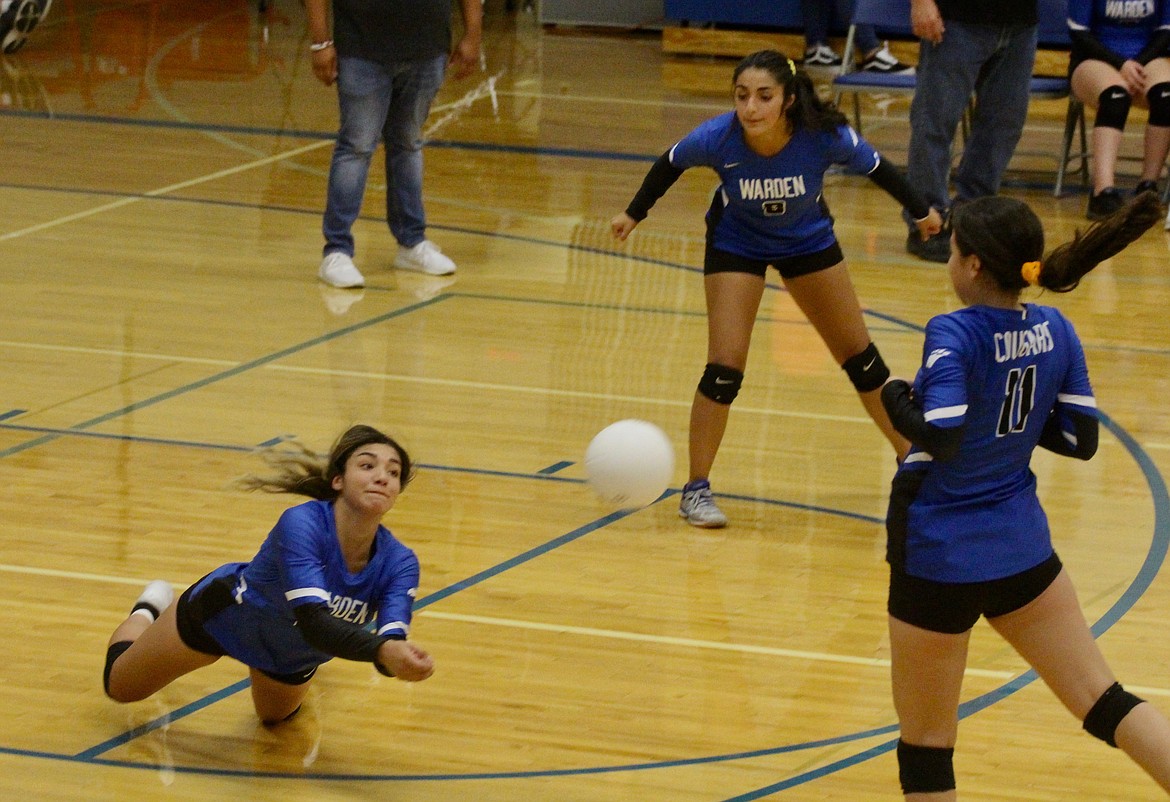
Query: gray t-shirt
x=392, y=30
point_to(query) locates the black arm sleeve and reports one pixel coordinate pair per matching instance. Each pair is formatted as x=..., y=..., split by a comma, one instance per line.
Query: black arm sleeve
x=1154, y=48
x=1084, y=432
x=888, y=178
x=660, y=178
x=907, y=417
x=336, y=637
x=1091, y=46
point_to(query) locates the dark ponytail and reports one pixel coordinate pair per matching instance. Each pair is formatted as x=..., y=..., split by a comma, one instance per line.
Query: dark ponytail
x=807, y=109
x=1007, y=237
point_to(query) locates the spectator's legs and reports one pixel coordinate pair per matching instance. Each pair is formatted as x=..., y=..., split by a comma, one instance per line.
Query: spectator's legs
x=946, y=78
x=1001, y=109
x=415, y=85
x=363, y=93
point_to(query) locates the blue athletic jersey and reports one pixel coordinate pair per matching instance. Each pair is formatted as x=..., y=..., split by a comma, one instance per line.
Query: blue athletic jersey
x=772, y=204
x=301, y=563
x=1000, y=373
x=1123, y=26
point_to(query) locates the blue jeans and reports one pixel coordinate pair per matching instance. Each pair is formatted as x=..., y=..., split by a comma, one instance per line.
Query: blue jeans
x=819, y=16
x=391, y=103
x=993, y=61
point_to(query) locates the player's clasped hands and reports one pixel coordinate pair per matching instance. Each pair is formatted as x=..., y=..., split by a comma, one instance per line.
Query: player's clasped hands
x=405, y=660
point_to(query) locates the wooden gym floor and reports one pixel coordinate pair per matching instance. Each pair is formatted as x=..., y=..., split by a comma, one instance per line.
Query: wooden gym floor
x=164, y=177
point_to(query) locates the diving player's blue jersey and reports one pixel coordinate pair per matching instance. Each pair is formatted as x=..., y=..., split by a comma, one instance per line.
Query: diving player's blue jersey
x=1123, y=26
x=301, y=563
x=772, y=205
x=999, y=373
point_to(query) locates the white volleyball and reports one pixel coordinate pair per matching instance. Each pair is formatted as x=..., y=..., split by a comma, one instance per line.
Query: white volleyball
x=630, y=464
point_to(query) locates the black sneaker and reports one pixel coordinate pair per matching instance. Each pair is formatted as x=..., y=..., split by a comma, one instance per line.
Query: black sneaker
x=883, y=61
x=935, y=249
x=1104, y=203
x=1145, y=186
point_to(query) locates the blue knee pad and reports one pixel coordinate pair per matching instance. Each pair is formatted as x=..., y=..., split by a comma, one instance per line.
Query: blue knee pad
x=1112, y=108
x=925, y=769
x=1159, y=100
x=866, y=370
x=1108, y=711
x=720, y=383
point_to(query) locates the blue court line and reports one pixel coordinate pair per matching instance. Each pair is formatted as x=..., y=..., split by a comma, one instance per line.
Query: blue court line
x=490, y=147
x=225, y=374
x=422, y=603
x=12, y=413
x=1148, y=571
x=556, y=467
x=1155, y=558
x=301, y=133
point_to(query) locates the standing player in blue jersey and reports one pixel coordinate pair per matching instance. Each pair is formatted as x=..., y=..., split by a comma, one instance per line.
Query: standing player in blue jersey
x=771, y=155
x=1120, y=56
x=967, y=535
x=329, y=581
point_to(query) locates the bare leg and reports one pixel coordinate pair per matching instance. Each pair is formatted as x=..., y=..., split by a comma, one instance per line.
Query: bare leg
x=157, y=657
x=1089, y=80
x=830, y=303
x=733, y=299
x=1157, y=137
x=275, y=701
x=1052, y=635
x=927, y=677
x=1106, y=143
x=1157, y=145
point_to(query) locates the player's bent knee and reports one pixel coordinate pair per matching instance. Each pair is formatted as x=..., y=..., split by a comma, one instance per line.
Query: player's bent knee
x=1112, y=108
x=1159, y=100
x=115, y=651
x=1108, y=711
x=925, y=769
x=720, y=383
x=866, y=370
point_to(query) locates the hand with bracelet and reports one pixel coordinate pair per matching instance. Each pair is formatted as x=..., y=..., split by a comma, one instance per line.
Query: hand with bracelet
x=324, y=58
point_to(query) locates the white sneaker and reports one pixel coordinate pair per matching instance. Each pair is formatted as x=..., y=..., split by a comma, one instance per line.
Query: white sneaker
x=157, y=597
x=424, y=258
x=338, y=270
x=698, y=507
x=821, y=55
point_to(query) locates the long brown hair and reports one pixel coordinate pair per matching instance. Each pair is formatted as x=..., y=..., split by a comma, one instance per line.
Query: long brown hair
x=299, y=470
x=1005, y=234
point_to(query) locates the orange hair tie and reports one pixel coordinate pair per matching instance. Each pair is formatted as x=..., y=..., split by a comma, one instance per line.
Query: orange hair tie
x=1031, y=272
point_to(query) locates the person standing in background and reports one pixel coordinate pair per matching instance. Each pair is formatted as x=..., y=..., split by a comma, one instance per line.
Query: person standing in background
x=980, y=48
x=388, y=60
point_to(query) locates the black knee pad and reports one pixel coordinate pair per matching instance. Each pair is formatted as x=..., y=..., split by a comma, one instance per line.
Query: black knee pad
x=720, y=383
x=113, y=653
x=1114, y=705
x=866, y=370
x=925, y=769
x=1159, y=100
x=1112, y=108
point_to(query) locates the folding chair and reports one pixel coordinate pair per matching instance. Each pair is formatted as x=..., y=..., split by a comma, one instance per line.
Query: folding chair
x=889, y=15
